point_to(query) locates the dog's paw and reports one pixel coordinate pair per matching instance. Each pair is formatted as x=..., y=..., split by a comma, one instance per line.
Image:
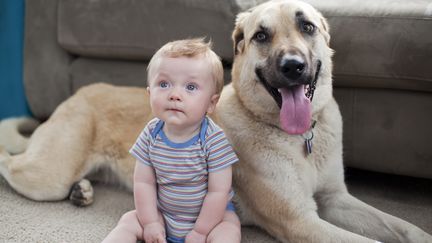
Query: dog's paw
x=82, y=193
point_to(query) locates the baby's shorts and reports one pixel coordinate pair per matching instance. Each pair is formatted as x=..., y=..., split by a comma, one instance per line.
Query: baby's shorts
x=172, y=239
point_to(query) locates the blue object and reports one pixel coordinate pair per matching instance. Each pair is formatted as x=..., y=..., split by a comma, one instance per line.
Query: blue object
x=12, y=98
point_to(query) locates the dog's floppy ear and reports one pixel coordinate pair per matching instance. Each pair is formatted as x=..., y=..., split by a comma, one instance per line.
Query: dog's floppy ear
x=238, y=34
x=326, y=29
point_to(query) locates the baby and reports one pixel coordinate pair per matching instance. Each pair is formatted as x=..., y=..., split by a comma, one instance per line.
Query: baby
x=182, y=179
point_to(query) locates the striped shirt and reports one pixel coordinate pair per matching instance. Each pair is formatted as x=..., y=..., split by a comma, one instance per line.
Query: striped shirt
x=182, y=169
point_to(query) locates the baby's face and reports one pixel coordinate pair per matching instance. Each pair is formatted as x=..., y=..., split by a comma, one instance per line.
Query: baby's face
x=182, y=91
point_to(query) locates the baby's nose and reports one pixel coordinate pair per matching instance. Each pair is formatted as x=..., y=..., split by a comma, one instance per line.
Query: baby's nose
x=175, y=95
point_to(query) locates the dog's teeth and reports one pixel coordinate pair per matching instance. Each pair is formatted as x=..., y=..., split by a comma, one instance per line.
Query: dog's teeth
x=279, y=90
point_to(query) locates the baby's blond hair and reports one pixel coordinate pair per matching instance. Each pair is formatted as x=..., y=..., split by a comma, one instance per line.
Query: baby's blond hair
x=189, y=48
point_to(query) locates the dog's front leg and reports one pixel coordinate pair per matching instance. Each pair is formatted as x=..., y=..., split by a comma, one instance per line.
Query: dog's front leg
x=346, y=211
x=288, y=213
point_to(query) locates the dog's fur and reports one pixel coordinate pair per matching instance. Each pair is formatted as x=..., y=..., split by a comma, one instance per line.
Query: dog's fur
x=294, y=196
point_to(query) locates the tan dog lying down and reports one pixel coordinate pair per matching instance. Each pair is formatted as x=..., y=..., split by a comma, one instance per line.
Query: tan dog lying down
x=281, y=49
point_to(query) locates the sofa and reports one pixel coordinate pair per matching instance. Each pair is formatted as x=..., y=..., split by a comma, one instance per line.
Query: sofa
x=382, y=68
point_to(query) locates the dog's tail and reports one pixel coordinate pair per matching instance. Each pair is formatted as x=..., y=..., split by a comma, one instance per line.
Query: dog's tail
x=15, y=133
x=4, y=157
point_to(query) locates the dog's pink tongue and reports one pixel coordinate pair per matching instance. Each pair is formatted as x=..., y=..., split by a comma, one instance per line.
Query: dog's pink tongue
x=295, y=113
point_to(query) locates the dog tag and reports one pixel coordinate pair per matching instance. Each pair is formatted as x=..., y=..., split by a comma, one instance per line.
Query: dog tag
x=308, y=136
x=308, y=144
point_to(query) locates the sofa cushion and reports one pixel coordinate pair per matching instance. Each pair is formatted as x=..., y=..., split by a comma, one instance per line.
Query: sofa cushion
x=380, y=44
x=134, y=30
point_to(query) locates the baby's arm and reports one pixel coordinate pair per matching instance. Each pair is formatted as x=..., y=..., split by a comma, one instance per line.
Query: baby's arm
x=145, y=197
x=215, y=202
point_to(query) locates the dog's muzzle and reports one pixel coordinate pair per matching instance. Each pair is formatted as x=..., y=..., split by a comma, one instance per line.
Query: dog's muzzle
x=293, y=90
x=293, y=70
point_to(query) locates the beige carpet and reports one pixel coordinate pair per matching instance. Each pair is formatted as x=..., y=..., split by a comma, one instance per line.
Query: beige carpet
x=22, y=220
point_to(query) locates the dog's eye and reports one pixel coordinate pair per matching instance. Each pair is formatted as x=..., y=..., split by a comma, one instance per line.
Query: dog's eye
x=261, y=36
x=307, y=27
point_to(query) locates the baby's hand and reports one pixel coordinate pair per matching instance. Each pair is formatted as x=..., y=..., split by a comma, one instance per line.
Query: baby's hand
x=195, y=237
x=154, y=233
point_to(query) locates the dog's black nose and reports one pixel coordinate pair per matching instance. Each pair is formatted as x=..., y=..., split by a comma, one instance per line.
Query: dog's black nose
x=292, y=68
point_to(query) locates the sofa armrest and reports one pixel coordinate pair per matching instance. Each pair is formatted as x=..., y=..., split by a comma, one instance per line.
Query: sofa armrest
x=46, y=75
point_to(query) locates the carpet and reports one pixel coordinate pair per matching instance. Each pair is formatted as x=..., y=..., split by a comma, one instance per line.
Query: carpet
x=23, y=220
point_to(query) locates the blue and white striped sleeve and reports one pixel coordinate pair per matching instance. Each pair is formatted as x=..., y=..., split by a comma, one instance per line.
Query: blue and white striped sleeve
x=140, y=150
x=220, y=152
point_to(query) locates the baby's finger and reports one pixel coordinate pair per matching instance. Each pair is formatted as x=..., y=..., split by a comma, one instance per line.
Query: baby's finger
x=151, y=239
x=161, y=240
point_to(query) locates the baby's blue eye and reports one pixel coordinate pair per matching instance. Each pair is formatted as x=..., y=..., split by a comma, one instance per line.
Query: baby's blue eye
x=191, y=87
x=163, y=84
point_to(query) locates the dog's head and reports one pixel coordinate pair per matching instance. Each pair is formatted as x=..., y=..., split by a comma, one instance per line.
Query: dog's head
x=279, y=47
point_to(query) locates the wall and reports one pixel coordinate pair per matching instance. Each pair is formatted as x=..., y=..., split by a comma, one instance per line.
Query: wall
x=12, y=97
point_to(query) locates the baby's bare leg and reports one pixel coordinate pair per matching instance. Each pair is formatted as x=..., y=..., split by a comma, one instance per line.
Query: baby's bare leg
x=227, y=231
x=128, y=229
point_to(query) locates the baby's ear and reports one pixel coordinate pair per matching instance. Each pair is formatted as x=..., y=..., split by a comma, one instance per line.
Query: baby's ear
x=148, y=89
x=213, y=101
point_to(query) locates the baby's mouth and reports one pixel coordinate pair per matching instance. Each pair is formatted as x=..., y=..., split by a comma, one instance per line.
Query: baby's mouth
x=174, y=110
